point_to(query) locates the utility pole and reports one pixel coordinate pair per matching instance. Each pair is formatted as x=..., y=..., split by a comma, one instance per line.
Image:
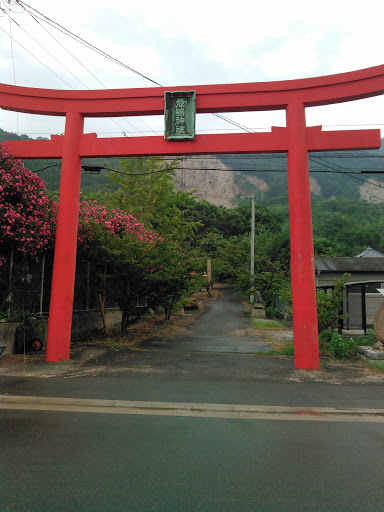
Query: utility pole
x=252, y=270
x=209, y=277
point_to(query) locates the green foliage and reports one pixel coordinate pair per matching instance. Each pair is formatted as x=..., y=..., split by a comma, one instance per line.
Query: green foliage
x=367, y=340
x=288, y=351
x=329, y=305
x=145, y=190
x=272, y=312
x=190, y=303
x=348, y=225
x=378, y=365
x=339, y=346
x=267, y=324
x=325, y=336
x=15, y=316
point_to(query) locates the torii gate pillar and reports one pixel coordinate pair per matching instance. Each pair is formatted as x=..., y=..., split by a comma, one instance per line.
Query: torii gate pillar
x=301, y=238
x=64, y=264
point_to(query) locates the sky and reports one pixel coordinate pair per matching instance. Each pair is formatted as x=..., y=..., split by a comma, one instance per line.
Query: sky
x=189, y=43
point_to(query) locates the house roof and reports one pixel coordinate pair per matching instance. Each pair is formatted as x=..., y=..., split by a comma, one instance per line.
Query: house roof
x=362, y=264
x=370, y=253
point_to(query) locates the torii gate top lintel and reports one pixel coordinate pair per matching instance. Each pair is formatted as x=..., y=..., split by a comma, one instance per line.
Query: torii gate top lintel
x=256, y=96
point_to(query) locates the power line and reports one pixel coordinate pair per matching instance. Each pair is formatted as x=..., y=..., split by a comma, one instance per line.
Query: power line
x=96, y=78
x=34, y=56
x=49, y=53
x=58, y=76
x=88, y=71
x=66, y=49
x=96, y=168
x=348, y=173
x=234, y=123
x=114, y=120
x=48, y=167
x=86, y=43
x=79, y=39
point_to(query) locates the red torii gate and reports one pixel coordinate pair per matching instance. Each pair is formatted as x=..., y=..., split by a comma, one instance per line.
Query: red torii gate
x=296, y=139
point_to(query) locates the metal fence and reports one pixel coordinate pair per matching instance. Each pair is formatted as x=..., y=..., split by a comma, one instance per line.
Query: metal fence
x=25, y=285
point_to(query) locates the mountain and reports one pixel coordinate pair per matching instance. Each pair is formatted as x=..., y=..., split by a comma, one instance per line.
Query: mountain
x=331, y=176
x=224, y=179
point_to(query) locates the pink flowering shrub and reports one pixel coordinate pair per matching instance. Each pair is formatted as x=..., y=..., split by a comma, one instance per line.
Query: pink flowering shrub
x=102, y=229
x=27, y=216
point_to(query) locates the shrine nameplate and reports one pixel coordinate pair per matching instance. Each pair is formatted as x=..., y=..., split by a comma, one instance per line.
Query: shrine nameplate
x=180, y=115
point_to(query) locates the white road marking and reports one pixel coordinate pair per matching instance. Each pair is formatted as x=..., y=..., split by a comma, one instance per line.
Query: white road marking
x=192, y=410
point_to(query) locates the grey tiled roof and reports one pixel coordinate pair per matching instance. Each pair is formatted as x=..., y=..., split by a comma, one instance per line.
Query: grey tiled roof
x=349, y=264
x=370, y=253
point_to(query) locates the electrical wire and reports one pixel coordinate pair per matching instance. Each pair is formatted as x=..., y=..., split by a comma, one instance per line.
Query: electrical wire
x=66, y=49
x=86, y=43
x=118, y=124
x=12, y=57
x=249, y=130
x=11, y=38
x=49, y=53
x=48, y=167
x=332, y=171
x=34, y=56
x=14, y=3
x=143, y=173
x=79, y=39
x=114, y=120
x=88, y=71
x=348, y=173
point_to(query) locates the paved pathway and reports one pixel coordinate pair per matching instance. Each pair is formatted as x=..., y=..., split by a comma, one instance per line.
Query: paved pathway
x=221, y=328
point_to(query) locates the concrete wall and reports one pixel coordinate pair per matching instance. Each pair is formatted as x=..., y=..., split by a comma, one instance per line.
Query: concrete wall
x=372, y=302
x=327, y=278
x=81, y=324
x=91, y=320
x=8, y=337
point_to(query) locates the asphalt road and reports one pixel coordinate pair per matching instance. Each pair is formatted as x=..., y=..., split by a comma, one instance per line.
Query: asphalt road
x=85, y=458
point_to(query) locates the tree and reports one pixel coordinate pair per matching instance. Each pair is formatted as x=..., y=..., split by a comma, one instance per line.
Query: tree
x=148, y=276
x=145, y=187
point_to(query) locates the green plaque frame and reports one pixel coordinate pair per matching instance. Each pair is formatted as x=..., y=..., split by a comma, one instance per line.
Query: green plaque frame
x=179, y=115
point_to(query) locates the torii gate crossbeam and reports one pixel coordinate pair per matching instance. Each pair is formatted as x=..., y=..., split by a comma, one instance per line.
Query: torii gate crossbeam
x=295, y=139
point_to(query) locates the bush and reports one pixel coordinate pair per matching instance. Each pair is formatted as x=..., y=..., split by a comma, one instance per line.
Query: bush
x=341, y=347
x=190, y=303
x=271, y=312
x=325, y=336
